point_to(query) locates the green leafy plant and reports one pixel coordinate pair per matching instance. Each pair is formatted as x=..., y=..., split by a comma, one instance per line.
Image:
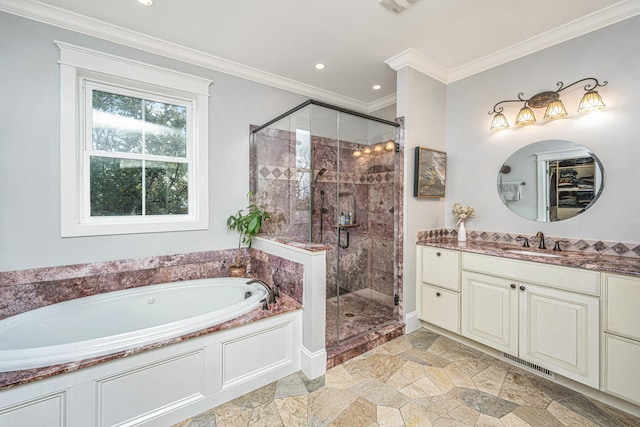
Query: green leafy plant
x=247, y=222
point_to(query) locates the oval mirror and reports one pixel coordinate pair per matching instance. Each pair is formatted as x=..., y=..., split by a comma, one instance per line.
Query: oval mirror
x=552, y=180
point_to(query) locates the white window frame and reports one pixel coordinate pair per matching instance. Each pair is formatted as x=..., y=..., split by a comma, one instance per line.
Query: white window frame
x=80, y=66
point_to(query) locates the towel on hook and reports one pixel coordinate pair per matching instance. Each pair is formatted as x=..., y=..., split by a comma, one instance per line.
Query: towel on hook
x=511, y=191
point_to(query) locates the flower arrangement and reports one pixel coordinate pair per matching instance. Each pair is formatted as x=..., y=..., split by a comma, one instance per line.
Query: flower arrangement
x=462, y=212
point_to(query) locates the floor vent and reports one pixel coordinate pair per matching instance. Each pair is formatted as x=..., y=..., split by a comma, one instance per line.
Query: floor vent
x=529, y=366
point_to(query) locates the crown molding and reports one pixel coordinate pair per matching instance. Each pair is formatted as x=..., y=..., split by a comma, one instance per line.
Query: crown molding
x=594, y=21
x=415, y=60
x=383, y=102
x=581, y=26
x=82, y=24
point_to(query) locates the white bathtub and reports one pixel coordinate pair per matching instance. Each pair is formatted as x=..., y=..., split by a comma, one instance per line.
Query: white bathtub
x=115, y=321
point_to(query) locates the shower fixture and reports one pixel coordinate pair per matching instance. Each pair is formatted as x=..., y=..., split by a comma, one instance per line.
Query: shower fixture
x=320, y=173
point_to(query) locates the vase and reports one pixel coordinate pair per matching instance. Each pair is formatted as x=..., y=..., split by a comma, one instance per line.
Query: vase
x=462, y=232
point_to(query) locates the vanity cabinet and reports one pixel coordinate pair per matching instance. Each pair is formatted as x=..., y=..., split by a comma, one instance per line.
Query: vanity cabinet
x=621, y=353
x=552, y=328
x=438, y=273
x=544, y=314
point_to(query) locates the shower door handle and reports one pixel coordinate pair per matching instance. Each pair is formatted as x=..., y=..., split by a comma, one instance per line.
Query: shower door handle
x=340, y=237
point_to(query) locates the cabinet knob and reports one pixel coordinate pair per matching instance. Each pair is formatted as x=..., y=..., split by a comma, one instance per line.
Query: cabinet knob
x=513, y=286
x=521, y=288
x=437, y=294
x=438, y=254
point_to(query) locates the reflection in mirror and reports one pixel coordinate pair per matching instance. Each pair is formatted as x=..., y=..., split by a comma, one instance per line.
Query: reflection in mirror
x=551, y=180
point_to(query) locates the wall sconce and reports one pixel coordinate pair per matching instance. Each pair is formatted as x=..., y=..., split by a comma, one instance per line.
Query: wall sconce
x=591, y=101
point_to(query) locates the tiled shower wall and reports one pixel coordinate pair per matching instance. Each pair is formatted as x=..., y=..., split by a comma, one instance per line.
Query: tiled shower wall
x=25, y=290
x=281, y=181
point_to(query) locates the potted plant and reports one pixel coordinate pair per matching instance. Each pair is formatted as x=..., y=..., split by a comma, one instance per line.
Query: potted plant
x=247, y=222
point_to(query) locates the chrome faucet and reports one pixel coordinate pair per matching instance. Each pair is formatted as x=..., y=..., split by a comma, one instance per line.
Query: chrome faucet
x=270, y=292
x=540, y=235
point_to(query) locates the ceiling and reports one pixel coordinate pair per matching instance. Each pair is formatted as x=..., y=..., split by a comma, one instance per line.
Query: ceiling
x=278, y=42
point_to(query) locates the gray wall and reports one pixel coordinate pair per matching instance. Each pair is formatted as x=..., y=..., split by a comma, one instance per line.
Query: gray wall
x=29, y=163
x=475, y=155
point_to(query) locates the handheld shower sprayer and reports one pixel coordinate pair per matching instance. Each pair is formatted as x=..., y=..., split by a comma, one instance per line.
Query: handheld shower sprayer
x=320, y=173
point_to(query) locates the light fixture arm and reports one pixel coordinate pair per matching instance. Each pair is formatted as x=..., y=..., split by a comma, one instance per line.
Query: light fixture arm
x=543, y=99
x=589, y=86
x=499, y=110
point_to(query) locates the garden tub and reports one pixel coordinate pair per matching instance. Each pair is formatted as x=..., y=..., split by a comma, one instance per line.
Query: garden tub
x=116, y=321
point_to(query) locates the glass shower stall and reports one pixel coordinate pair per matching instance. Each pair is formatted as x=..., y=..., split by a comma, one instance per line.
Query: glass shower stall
x=329, y=176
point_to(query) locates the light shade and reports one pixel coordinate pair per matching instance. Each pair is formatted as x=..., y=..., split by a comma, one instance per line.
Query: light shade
x=357, y=153
x=555, y=110
x=390, y=146
x=366, y=150
x=499, y=122
x=525, y=116
x=591, y=101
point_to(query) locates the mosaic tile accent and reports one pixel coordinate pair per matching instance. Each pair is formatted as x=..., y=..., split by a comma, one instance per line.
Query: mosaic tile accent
x=284, y=173
x=420, y=379
x=621, y=249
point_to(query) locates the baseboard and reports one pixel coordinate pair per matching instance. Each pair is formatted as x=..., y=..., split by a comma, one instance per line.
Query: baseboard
x=412, y=323
x=314, y=364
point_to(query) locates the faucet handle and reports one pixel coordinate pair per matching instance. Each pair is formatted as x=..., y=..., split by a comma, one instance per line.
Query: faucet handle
x=557, y=247
x=525, y=244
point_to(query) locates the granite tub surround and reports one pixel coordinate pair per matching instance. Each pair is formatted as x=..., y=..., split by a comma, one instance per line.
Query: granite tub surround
x=25, y=290
x=420, y=379
x=285, y=304
x=609, y=260
x=287, y=275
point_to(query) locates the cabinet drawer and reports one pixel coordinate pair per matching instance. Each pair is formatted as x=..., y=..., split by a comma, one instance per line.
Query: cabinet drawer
x=621, y=370
x=440, y=307
x=572, y=279
x=622, y=294
x=440, y=267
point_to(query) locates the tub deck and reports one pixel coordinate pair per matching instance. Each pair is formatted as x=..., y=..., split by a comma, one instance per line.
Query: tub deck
x=11, y=379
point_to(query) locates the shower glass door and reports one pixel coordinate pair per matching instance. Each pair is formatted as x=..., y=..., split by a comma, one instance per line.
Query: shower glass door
x=353, y=193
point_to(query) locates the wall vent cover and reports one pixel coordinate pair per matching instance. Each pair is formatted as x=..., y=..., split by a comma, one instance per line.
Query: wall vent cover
x=528, y=366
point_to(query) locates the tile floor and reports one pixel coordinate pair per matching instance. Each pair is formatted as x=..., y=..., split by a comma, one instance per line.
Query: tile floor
x=420, y=379
x=360, y=312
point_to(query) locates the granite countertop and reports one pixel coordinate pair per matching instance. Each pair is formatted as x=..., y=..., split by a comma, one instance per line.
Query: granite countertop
x=588, y=261
x=285, y=304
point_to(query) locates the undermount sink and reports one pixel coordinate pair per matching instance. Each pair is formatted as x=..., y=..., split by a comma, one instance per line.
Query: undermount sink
x=532, y=253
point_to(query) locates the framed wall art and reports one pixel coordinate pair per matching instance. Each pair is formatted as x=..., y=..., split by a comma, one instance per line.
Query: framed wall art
x=429, y=173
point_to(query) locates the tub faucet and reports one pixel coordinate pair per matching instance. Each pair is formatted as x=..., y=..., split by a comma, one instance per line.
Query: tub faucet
x=540, y=235
x=270, y=292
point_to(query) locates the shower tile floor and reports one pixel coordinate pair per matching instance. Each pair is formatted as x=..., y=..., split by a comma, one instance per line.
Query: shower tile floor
x=420, y=379
x=360, y=312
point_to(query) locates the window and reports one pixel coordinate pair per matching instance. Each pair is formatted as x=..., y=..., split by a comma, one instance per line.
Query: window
x=133, y=146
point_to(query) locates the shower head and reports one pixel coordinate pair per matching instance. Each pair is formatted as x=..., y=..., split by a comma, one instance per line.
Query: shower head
x=320, y=172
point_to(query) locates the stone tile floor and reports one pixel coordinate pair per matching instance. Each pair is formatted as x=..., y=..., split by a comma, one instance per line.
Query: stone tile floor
x=420, y=379
x=360, y=312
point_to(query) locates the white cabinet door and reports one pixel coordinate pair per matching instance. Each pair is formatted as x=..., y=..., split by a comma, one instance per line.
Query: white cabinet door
x=559, y=331
x=622, y=316
x=440, y=267
x=490, y=311
x=621, y=370
x=440, y=307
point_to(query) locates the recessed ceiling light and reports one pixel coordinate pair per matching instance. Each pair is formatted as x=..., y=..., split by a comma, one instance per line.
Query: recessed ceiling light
x=146, y=2
x=320, y=66
x=376, y=87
